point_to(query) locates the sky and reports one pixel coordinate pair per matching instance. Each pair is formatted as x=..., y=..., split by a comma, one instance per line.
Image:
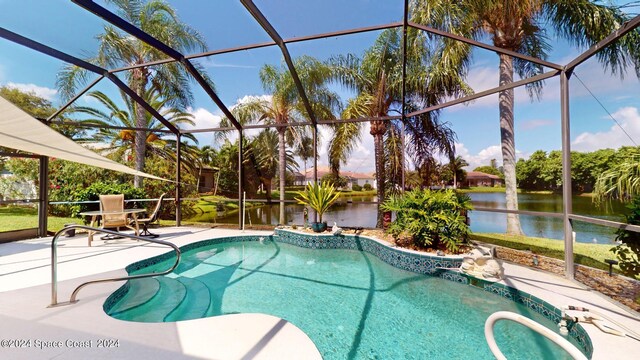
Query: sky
x=225, y=23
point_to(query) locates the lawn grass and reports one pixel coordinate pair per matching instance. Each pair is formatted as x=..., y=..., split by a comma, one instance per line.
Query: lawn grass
x=592, y=255
x=26, y=217
x=489, y=189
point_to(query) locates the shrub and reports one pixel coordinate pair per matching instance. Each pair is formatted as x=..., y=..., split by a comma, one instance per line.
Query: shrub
x=336, y=181
x=367, y=187
x=432, y=218
x=356, y=187
x=628, y=251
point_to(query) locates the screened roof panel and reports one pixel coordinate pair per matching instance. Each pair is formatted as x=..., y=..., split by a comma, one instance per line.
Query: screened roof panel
x=293, y=18
x=59, y=24
x=227, y=24
x=237, y=74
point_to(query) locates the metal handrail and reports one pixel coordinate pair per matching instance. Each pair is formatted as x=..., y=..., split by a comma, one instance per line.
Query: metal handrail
x=54, y=262
x=540, y=329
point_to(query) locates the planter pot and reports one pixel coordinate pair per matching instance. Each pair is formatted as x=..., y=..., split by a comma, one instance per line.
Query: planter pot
x=319, y=226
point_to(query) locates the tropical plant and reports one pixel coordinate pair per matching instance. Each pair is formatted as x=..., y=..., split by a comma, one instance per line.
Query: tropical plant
x=628, y=250
x=118, y=49
x=263, y=153
x=522, y=26
x=284, y=106
x=318, y=196
x=457, y=170
x=621, y=181
x=337, y=181
x=377, y=80
x=432, y=218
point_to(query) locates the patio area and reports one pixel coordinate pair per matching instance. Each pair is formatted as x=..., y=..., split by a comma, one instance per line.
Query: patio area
x=83, y=330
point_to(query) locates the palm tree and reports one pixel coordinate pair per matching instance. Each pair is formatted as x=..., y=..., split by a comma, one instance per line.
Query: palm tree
x=520, y=26
x=621, y=182
x=117, y=49
x=377, y=80
x=264, y=155
x=121, y=143
x=304, y=150
x=284, y=106
x=457, y=169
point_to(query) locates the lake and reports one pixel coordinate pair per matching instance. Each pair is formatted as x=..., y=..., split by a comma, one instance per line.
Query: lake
x=358, y=212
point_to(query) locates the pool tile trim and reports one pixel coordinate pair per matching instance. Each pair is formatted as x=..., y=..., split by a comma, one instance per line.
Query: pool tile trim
x=445, y=267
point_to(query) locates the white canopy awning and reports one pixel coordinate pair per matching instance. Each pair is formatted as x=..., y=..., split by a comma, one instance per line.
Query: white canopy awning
x=21, y=131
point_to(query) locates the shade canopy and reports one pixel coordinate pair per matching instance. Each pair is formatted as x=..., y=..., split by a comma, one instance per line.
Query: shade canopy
x=21, y=131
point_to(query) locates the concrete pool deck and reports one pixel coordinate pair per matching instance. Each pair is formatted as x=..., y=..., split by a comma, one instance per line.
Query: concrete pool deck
x=83, y=330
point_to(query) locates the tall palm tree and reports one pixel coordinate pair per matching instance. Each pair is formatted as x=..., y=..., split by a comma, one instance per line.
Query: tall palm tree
x=118, y=49
x=284, y=106
x=121, y=143
x=377, y=81
x=264, y=155
x=521, y=26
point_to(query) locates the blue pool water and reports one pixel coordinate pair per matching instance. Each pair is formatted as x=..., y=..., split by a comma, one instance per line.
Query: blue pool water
x=350, y=303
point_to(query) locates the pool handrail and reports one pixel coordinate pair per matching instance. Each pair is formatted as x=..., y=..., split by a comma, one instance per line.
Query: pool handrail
x=74, y=294
x=540, y=329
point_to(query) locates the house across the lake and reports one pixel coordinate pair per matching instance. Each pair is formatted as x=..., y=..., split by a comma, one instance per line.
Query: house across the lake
x=353, y=178
x=477, y=178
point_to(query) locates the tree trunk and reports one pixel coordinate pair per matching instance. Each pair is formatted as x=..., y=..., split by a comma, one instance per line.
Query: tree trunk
x=282, y=166
x=267, y=188
x=507, y=137
x=377, y=130
x=140, y=140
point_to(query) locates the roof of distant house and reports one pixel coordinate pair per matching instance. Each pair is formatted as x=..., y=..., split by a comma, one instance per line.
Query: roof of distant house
x=481, y=175
x=324, y=170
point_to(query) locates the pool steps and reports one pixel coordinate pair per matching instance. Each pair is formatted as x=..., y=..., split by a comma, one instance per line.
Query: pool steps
x=137, y=295
x=169, y=295
x=179, y=302
x=195, y=303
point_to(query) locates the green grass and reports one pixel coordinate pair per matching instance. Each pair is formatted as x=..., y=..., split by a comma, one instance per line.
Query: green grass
x=592, y=255
x=24, y=217
x=488, y=189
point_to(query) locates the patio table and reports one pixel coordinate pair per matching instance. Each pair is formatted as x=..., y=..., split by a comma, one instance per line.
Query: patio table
x=95, y=214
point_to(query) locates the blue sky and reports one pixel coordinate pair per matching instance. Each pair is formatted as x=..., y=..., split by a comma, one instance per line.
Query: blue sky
x=65, y=26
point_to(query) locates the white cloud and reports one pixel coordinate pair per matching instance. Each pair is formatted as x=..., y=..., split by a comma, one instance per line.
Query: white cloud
x=248, y=98
x=484, y=156
x=629, y=120
x=43, y=92
x=203, y=119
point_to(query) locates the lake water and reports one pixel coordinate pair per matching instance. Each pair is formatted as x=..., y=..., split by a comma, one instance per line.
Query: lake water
x=358, y=212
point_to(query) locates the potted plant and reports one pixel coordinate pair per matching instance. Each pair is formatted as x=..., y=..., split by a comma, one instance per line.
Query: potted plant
x=319, y=197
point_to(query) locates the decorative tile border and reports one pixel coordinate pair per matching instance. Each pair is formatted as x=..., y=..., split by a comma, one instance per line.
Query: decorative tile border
x=444, y=267
x=403, y=259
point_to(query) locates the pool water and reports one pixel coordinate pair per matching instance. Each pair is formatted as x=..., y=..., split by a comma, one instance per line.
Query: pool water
x=350, y=303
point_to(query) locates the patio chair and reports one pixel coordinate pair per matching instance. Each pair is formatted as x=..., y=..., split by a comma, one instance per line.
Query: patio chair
x=115, y=204
x=152, y=218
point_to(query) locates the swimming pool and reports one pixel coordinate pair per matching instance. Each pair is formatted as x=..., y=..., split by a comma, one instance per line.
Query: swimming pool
x=349, y=302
